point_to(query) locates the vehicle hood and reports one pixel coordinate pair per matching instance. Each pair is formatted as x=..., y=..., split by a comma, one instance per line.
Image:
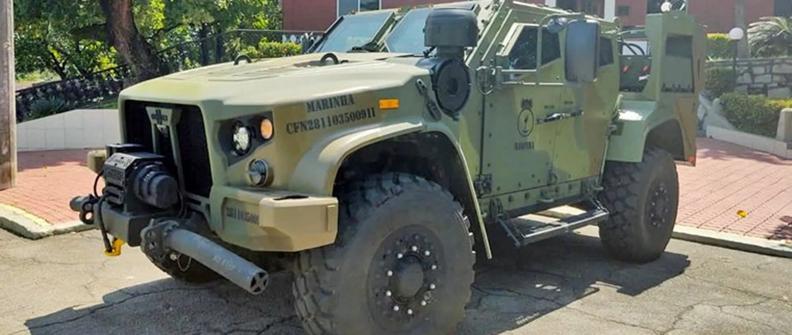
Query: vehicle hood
x=277, y=81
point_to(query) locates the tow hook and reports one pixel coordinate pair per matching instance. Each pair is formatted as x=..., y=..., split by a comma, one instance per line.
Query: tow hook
x=115, y=251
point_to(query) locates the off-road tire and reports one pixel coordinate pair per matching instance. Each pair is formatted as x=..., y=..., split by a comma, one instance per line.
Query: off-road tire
x=642, y=199
x=190, y=271
x=336, y=287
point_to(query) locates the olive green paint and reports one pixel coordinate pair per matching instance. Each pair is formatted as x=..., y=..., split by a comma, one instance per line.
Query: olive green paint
x=530, y=169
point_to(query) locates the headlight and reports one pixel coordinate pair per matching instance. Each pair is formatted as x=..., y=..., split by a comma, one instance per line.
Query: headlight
x=241, y=138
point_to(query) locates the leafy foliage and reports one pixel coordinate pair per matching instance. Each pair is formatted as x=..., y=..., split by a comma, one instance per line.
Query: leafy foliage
x=719, y=81
x=46, y=107
x=753, y=113
x=772, y=36
x=719, y=46
x=70, y=38
x=266, y=49
x=48, y=37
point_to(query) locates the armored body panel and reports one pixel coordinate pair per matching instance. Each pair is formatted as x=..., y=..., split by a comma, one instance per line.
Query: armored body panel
x=401, y=141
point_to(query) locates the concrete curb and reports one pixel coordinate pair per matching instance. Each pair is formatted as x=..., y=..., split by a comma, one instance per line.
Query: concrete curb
x=733, y=241
x=32, y=227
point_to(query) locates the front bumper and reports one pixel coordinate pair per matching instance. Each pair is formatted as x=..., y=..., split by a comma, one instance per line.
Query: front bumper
x=260, y=221
x=271, y=220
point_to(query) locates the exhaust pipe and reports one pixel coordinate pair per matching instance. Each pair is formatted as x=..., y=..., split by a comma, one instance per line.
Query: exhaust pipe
x=226, y=263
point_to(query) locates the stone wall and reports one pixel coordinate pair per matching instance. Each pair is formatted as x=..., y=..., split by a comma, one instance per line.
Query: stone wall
x=766, y=76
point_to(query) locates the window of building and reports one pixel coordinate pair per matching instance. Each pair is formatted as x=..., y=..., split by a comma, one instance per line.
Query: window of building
x=523, y=54
x=369, y=4
x=783, y=8
x=350, y=6
x=623, y=10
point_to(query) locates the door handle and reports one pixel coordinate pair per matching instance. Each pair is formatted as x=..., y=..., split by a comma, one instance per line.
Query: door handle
x=556, y=117
x=560, y=116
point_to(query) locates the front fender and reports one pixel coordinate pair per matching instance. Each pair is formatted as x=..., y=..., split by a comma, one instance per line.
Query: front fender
x=316, y=171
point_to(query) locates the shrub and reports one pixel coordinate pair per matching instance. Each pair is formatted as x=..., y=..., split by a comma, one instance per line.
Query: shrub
x=46, y=107
x=719, y=46
x=719, y=81
x=755, y=114
x=277, y=49
x=266, y=49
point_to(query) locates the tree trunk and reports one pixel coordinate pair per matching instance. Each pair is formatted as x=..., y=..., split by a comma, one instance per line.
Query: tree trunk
x=8, y=158
x=127, y=40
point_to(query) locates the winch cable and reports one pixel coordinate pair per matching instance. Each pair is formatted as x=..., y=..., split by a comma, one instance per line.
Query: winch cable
x=99, y=200
x=96, y=183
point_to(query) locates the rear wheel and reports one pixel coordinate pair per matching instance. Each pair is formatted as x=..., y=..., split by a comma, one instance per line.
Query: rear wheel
x=643, y=199
x=402, y=262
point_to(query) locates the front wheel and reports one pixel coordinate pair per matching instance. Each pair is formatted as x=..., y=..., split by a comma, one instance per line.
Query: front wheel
x=402, y=262
x=643, y=199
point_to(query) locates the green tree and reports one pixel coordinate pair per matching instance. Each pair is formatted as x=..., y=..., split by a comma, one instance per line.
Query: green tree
x=83, y=36
x=772, y=36
x=47, y=37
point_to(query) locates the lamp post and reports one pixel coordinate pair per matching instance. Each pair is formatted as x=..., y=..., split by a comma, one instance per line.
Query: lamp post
x=736, y=35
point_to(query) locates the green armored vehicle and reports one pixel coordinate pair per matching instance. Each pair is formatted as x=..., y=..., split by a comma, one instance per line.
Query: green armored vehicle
x=375, y=165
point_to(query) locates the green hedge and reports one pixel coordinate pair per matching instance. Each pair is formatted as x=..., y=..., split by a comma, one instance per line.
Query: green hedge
x=719, y=46
x=719, y=81
x=755, y=114
x=266, y=49
x=46, y=106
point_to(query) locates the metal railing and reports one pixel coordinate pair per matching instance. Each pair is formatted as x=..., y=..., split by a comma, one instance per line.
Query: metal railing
x=94, y=88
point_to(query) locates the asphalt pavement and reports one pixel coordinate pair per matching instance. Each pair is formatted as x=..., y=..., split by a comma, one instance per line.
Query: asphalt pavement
x=64, y=285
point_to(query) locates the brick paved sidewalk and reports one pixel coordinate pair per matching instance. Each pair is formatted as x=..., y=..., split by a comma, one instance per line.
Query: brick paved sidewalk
x=46, y=181
x=728, y=178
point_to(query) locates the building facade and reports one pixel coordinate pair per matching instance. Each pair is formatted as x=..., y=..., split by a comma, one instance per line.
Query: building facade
x=716, y=15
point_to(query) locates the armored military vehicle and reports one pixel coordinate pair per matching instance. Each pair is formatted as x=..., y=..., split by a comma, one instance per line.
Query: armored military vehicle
x=375, y=166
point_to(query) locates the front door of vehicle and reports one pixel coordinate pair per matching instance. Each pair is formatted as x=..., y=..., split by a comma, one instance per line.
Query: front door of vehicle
x=582, y=129
x=519, y=125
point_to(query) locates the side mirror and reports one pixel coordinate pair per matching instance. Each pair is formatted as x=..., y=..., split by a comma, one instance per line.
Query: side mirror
x=582, y=51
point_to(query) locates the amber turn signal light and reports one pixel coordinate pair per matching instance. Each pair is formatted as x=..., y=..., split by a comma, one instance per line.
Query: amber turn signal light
x=386, y=104
x=266, y=129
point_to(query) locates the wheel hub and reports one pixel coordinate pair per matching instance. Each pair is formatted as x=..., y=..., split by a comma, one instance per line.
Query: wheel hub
x=409, y=278
x=406, y=271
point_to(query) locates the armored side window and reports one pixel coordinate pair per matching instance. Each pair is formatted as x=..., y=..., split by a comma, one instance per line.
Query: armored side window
x=523, y=54
x=678, y=65
x=606, y=52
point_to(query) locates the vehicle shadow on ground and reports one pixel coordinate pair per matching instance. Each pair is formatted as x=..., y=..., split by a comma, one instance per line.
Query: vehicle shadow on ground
x=516, y=288
x=520, y=286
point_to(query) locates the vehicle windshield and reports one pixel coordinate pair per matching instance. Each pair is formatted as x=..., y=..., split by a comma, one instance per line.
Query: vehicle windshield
x=635, y=47
x=636, y=60
x=354, y=31
x=408, y=36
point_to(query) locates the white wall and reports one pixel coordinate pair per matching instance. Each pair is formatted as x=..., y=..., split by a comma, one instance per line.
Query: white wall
x=78, y=129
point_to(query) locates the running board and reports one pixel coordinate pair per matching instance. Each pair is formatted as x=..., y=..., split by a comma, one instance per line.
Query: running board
x=526, y=230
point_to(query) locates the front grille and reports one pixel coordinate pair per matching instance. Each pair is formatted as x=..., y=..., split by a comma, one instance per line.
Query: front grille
x=191, y=142
x=194, y=152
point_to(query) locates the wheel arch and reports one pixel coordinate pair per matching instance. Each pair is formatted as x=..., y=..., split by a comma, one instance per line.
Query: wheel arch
x=418, y=153
x=669, y=137
x=632, y=138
